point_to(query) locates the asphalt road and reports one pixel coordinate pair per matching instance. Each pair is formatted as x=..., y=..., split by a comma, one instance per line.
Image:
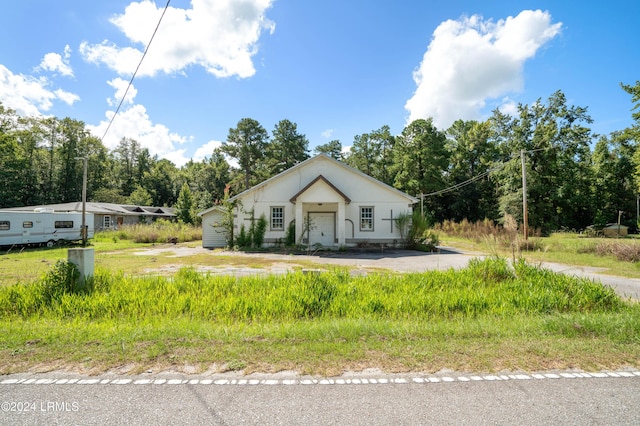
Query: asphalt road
x=562, y=398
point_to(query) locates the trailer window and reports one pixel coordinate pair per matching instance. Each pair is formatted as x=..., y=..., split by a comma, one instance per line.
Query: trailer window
x=106, y=222
x=28, y=224
x=63, y=224
x=5, y=225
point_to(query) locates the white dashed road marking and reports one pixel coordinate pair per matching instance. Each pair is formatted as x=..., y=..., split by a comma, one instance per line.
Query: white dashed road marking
x=323, y=381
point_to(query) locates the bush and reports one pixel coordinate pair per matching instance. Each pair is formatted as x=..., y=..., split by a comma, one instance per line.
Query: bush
x=290, y=238
x=243, y=240
x=427, y=242
x=254, y=238
x=63, y=278
x=260, y=228
x=419, y=236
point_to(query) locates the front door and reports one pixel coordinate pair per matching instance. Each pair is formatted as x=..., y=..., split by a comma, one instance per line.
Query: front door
x=322, y=229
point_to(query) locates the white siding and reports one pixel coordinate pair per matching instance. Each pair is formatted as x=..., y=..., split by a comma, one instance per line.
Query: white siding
x=361, y=190
x=213, y=235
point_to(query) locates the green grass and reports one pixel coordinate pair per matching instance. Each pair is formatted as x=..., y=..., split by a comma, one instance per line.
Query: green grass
x=565, y=248
x=123, y=256
x=160, y=231
x=487, y=317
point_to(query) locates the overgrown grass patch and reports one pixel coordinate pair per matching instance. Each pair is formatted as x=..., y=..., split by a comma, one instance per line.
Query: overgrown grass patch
x=160, y=231
x=487, y=317
x=622, y=250
x=563, y=247
x=485, y=287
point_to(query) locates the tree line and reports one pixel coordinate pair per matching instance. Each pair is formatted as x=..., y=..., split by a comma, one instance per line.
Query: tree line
x=472, y=170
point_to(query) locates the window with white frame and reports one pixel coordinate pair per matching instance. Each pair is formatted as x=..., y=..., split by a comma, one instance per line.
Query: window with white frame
x=277, y=218
x=366, y=218
x=106, y=222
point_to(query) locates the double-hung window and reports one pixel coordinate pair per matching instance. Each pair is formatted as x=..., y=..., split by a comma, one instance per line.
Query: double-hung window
x=366, y=218
x=277, y=218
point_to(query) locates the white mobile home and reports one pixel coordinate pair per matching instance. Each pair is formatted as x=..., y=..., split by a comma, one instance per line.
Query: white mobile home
x=42, y=227
x=107, y=215
x=330, y=204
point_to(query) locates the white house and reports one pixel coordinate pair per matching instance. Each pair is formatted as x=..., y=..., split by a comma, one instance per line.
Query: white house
x=331, y=204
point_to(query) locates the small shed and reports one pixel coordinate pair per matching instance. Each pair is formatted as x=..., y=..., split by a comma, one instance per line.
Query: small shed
x=214, y=235
x=615, y=230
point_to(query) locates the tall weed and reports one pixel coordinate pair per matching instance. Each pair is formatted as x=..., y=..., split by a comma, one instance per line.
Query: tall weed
x=625, y=251
x=160, y=231
x=489, y=287
x=506, y=235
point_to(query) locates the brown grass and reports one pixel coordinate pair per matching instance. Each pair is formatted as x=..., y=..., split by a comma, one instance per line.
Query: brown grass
x=624, y=251
x=507, y=235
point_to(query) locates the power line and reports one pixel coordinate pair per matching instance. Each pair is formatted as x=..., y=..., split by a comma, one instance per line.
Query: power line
x=480, y=176
x=468, y=181
x=124, y=96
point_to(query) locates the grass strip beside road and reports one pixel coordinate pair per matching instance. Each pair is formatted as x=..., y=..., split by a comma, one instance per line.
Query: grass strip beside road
x=487, y=317
x=324, y=347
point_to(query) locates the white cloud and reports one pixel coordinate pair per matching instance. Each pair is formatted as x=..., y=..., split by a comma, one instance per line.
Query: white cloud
x=471, y=60
x=509, y=107
x=327, y=133
x=121, y=87
x=177, y=157
x=206, y=150
x=135, y=123
x=219, y=35
x=29, y=96
x=66, y=97
x=56, y=63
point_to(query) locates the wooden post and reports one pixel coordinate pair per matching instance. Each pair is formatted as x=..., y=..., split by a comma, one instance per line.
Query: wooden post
x=525, y=213
x=84, y=232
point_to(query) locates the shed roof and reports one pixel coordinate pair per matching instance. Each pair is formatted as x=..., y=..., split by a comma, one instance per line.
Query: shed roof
x=103, y=208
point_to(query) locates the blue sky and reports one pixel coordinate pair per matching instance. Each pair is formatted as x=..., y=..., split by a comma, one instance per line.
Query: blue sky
x=336, y=68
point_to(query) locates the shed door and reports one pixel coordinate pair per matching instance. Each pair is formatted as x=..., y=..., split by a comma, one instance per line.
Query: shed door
x=323, y=229
x=213, y=235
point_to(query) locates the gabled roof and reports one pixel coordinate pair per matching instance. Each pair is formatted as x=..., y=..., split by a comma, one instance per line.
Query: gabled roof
x=313, y=182
x=323, y=156
x=210, y=209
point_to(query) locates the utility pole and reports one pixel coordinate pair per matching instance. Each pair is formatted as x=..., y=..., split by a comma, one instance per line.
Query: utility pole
x=525, y=213
x=84, y=200
x=619, y=215
x=83, y=257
